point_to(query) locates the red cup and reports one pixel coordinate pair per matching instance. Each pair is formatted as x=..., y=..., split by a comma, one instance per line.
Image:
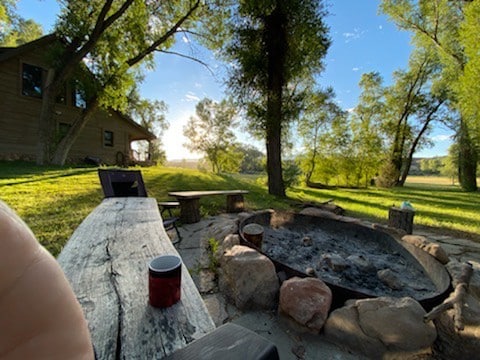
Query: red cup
x=164, y=280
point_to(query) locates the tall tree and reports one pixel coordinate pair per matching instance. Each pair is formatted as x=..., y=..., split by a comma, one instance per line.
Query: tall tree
x=253, y=159
x=111, y=41
x=151, y=115
x=319, y=115
x=81, y=27
x=367, y=148
x=412, y=109
x=15, y=30
x=210, y=131
x=436, y=24
x=117, y=71
x=276, y=45
x=468, y=87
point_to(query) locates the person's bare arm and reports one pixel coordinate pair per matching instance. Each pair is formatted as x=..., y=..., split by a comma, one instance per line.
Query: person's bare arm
x=40, y=317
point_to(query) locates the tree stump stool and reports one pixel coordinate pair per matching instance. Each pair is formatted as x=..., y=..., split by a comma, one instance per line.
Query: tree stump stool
x=401, y=219
x=190, y=210
x=254, y=234
x=235, y=203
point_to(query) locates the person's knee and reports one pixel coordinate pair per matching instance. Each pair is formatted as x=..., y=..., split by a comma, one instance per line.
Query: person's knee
x=39, y=313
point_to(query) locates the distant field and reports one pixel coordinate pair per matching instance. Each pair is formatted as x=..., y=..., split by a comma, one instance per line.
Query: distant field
x=434, y=180
x=185, y=163
x=53, y=201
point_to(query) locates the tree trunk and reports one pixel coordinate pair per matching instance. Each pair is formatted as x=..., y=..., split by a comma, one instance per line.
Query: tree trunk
x=413, y=148
x=467, y=160
x=46, y=122
x=71, y=58
x=274, y=163
x=68, y=61
x=313, y=159
x=63, y=148
x=311, y=169
x=276, y=40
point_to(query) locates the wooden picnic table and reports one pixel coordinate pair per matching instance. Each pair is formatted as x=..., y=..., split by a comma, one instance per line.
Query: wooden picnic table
x=106, y=261
x=190, y=202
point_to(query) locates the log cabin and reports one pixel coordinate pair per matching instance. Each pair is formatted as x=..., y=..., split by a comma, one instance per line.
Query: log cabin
x=107, y=137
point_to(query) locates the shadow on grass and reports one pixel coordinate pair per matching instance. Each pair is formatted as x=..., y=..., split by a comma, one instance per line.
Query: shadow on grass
x=24, y=173
x=434, y=196
x=63, y=197
x=55, y=219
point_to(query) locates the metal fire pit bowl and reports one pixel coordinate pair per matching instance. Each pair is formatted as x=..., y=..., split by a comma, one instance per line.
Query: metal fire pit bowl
x=344, y=234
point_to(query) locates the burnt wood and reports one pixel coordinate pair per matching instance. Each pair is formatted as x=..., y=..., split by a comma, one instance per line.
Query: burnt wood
x=106, y=261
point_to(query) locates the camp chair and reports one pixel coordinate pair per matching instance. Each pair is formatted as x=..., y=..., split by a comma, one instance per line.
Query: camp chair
x=126, y=183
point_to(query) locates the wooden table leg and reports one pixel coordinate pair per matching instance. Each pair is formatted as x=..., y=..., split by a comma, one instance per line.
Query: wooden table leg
x=235, y=203
x=189, y=210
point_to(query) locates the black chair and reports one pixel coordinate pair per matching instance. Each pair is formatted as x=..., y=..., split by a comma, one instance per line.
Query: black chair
x=127, y=183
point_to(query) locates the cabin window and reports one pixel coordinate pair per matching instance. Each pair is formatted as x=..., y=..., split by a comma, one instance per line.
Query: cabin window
x=107, y=138
x=32, y=80
x=79, y=98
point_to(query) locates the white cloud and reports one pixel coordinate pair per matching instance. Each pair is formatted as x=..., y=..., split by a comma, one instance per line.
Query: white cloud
x=350, y=110
x=354, y=35
x=185, y=40
x=355, y=69
x=442, y=138
x=380, y=27
x=190, y=96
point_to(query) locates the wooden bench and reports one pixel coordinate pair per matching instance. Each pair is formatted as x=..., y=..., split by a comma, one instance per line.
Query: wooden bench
x=190, y=202
x=106, y=261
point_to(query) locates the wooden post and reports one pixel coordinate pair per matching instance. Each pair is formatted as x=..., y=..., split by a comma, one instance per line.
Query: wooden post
x=235, y=203
x=401, y=219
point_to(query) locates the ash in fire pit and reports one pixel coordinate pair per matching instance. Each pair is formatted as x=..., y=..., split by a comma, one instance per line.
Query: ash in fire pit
x=348, y=255
x=349, y=261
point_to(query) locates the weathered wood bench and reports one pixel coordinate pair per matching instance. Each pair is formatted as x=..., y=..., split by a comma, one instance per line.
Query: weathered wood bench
x=106, y=261
x=190, y=202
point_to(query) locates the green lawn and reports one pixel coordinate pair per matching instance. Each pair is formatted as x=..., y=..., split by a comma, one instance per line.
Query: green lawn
x=53, y=201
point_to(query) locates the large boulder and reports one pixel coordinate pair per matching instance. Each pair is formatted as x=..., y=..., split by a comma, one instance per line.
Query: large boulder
x=248, y=278
x=382, y=327
x=432, y=248
x=306, y=302
x=228, y=242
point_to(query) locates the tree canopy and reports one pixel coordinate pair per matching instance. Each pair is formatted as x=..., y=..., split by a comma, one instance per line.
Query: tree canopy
x=112, y=43
x=210, y=132
x=277, y=47
x=437, y=26
x=15, y=30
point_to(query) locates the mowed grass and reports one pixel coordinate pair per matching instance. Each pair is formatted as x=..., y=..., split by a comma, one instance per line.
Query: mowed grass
x=53, y=201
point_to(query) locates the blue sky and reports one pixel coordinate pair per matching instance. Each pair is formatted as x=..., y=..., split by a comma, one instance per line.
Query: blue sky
x=362, y=41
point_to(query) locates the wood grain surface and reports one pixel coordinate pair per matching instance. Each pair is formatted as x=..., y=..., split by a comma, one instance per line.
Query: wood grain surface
x=106, y=261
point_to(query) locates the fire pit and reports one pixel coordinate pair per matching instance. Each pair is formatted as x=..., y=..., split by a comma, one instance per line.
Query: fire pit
x=354, y=260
